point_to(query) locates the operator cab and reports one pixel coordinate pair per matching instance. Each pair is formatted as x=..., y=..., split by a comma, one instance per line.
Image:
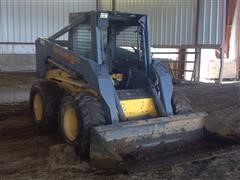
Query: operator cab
x=124, y=52
x=118, y=43
x=116, y=40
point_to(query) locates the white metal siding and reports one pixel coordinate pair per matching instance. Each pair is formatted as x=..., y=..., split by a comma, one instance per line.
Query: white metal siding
x=211, y=21
x=23, y=21
x=173, y=22
x=105, y=4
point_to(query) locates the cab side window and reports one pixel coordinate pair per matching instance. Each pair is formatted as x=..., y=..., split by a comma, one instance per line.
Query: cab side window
x=82, y=40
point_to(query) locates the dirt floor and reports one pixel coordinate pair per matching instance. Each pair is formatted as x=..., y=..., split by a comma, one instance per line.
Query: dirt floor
x=28, y=154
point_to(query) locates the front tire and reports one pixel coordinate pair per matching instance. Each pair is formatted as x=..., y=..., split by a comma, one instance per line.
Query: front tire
x=44, y=104
x=77, y=115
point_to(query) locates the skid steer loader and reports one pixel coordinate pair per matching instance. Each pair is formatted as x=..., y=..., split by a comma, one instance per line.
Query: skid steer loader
x=106, y=95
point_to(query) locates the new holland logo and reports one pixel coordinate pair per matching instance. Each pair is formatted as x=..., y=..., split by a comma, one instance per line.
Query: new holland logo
x=65, y=55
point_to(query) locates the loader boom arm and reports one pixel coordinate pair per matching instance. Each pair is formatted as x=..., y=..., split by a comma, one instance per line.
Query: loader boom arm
x=97, y=77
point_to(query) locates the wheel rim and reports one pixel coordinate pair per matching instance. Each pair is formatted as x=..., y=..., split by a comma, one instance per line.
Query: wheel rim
x=38, y=107
x=70, y=123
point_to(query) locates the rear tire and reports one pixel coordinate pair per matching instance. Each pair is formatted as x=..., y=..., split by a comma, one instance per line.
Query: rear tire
x=181, y=103
x=77, y=116
x=44, y=104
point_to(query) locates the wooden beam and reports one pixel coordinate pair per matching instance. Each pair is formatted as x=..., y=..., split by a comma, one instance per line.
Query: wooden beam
x=113, y=5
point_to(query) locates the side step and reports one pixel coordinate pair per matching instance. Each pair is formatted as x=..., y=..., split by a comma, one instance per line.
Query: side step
x=112, y=144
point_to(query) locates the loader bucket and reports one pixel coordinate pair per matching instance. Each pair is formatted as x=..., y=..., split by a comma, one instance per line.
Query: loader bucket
x=111, y=145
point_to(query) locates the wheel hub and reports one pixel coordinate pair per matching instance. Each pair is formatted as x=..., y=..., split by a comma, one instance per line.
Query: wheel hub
x=38, y=107
x=70, y=123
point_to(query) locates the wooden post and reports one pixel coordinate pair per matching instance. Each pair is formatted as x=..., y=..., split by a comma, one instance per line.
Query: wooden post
x=221, y=65
x=197, y=65
x=223, y=45
x=97, y=5
x=181, y=63
x=113, y=5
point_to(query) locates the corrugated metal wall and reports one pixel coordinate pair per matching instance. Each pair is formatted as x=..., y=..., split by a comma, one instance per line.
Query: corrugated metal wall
x=211, y=21
x=173, y=22
x=25, y=20
x=105, y=4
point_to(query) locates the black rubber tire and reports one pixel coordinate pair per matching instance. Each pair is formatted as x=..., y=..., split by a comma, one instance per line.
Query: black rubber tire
x=181, y=103
x=89, y=113
x=50, y=93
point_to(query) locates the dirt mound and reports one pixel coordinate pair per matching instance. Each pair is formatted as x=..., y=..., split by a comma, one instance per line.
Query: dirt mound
x=222, y=103
x=63, y=156
x=225, y=123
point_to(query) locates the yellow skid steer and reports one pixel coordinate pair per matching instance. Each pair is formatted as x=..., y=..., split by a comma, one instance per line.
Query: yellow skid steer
x=106, y=95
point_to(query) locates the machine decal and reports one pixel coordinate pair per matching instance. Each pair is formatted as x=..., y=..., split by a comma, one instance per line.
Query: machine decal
x=65, y=55
x=104, y=15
